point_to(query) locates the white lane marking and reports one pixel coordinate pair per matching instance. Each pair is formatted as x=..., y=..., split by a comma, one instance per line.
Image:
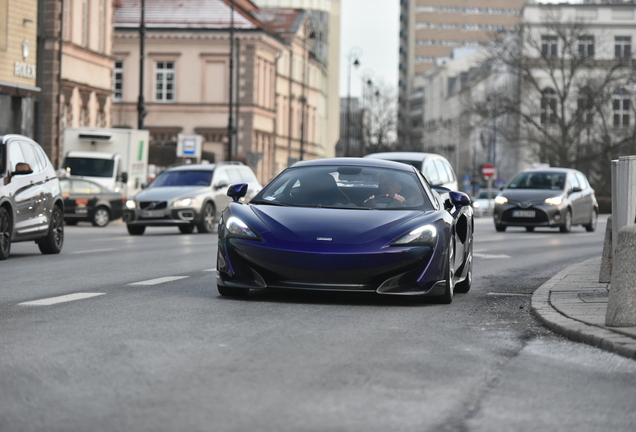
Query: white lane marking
x=92, y=251
x=212, y=269
x=159, y=280
x=507, y=294
x=487, y=256
x=60, y=299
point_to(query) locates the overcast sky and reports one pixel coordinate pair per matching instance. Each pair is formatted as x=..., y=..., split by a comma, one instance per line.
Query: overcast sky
x=373, y=26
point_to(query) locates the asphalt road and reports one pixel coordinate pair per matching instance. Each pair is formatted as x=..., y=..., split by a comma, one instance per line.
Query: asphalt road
x=153, y=347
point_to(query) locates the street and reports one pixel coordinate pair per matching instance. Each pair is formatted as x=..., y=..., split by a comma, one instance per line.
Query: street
x=151, y=346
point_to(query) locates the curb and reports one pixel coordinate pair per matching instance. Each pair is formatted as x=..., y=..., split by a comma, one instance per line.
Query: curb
x=577, y=330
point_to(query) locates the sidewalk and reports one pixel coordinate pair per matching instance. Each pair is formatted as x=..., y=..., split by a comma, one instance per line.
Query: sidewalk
x=573, y=304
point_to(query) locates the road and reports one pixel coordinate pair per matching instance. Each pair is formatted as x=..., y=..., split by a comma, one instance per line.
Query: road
x=153, y=347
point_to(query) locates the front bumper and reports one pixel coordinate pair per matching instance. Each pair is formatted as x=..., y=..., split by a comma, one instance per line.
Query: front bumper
x=544, y=215
x=164, y=217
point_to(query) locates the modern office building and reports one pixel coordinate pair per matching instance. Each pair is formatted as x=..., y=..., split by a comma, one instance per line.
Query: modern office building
x=431, y=29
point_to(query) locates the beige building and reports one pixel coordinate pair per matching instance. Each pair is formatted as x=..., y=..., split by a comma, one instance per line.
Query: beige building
x=76, y=75
x=431, y=29
x=187, y=79
x=18, y=68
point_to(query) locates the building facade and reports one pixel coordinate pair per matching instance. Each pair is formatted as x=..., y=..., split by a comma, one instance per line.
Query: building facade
x=18, y=69
x=431, y=29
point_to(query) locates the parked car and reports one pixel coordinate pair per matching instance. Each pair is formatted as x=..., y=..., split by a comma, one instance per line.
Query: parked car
x=31, y=204
x=436, y=168
x=347, y=224
x=187, y=196
x=547, y=197
x=484, y=202
x=85, y=200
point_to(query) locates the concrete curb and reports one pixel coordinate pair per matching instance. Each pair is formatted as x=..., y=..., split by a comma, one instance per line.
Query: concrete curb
x=579, y=329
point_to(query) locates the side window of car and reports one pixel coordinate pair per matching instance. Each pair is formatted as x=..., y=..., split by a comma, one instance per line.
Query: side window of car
x=441, y=169
x=220, y=176
x=15, y=155
x=247, y=176
x=573, y=182
x=65, y=186
x=449, y=172
x=430, y=172
x=39, y=153
x=582, y=180
x=234, y=175
x=84, y=187
x=28, y=151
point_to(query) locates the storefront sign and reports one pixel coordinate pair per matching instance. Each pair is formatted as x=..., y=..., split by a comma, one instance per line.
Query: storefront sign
x=24, y=70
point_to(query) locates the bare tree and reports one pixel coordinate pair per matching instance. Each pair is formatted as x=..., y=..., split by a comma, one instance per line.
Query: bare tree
x=379, y=126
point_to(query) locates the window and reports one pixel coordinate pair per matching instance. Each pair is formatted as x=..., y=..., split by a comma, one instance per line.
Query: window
x=164, y=86
x=473, y=11
x=622, y=46
x=448, y=9
x=424, y=59
x=85, y=23
x=549, y=46
x=586, y=46
x=118, y=81
x=425, y=9
x=621, y=105
x=548, y=107
x=424, y=26
x=585, y=109
x=448, y=26
x=425, y=42
x=471, y=27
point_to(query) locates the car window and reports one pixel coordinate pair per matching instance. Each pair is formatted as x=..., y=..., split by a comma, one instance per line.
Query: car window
x=221, y=176
x=573, y=182
x=41, y=156
x=539, y=180
x=89, y=167
x=85, y=187
x=29, y=156
x=234, y=175
x=247, y=176
x=449, y=171
x=65, y=186
x=444, y=176
x=2, y=165
x=582, y=180
x=182, y=178
x=15, y=155
x=430, y=172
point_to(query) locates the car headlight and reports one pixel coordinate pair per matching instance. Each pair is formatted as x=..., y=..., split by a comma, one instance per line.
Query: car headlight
x=237, y=227
x=131, y=204
x=476, y=204
x=185, y=202
x=554, y=200
x=425, y=235
x=501, y=200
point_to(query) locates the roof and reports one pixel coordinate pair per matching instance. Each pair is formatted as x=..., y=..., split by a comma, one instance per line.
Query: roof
x=354, y=161
x=209, y=14
x=280, y=20
x=412, y=156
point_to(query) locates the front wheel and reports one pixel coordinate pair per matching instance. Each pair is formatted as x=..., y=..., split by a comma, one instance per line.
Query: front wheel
x=5, y=234
x=567, y=223
x=186, y=229
x=136, y=229
x=54, y=240
x=232, y=292
x=101, y=217
x=500, y=228
x=591, y=227
x=206, y=223
x=530, y=229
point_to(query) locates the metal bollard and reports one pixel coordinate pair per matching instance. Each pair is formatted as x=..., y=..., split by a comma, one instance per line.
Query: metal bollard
x=605, y=274
x=621, y=305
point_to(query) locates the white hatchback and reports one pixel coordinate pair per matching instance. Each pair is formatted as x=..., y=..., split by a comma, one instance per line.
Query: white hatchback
x=435, y=168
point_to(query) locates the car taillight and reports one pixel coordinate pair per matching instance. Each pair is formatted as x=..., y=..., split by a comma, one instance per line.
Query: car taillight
x=123, y=200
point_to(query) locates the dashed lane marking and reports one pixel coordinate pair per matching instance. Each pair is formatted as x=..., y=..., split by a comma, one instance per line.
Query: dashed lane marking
x=60, y=299
x=92, y=251
x=488, y=256
x=507, y=294
x=159, y=280
x=209, y=270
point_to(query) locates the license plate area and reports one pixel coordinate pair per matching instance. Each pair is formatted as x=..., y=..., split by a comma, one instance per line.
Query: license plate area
x=524, y=213
x=152, y=213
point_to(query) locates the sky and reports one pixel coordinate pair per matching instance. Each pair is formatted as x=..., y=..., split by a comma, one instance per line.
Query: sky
x=373, y=26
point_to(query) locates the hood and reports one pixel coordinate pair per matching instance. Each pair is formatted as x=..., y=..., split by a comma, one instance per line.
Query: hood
x=341, y=226
x=530, y=194
x=169, y=193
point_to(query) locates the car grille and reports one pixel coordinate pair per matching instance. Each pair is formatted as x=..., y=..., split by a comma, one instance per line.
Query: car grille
x=525, y=204
x=540, y=216
x=153, y=205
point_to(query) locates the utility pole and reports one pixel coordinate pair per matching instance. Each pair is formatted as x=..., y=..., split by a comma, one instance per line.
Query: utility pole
x=230, y=123
x=141, y=103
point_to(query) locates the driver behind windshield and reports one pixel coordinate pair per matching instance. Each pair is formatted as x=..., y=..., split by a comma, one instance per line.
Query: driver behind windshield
x=388, y=186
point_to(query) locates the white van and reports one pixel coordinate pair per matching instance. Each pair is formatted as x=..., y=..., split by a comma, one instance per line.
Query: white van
x=436, y=168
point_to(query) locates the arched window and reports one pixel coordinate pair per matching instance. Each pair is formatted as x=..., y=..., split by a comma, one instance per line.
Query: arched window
x=621, y=105
x=548, y=106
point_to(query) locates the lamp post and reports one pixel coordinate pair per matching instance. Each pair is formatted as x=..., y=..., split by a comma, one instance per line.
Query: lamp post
x=141, y=102
x=303, y=97
x=230, y=121
x=367, y=103
x=352, y=58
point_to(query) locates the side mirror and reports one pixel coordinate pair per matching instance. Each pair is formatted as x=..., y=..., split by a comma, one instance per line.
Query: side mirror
x=22, y=168
x=124, y=177
x=576, y=189
x=459, y=199
x=221, y=184
x=237, y=191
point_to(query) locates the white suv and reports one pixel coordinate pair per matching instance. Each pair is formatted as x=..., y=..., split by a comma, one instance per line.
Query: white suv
x=435, y=168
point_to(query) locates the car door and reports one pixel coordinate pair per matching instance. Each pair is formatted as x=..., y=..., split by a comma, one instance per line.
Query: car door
x=25, y=194
x=86, y=195
x=220, y=183
x=575, y=194
x=587, y=197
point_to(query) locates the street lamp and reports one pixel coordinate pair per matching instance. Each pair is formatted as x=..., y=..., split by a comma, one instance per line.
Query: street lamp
x=230, y=122
x=303, y=97
x=352, y=58
x=367, y=103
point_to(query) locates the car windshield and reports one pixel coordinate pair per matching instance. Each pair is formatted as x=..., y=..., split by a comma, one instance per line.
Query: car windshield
x=89, y=167
x=484, y=194
x=351, y=187
x=539, y=180
x=182, y=178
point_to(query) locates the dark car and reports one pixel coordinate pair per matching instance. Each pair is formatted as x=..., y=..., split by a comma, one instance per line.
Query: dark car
x=187, y=196
x=31, y=205
x=547, y=197
x=347, y=224
x=85, y=200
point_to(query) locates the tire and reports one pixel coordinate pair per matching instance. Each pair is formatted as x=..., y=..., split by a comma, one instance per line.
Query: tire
x=186, y=229
x=591, y=227
x=232, y=292
x=101, y=217
x=530, y=229
x=71, y=222
x=5, y=233
x=500, y=228
x=464, y=286
x=206, y=223
x=136, y=229
x=567, y=223
x=54, y=240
